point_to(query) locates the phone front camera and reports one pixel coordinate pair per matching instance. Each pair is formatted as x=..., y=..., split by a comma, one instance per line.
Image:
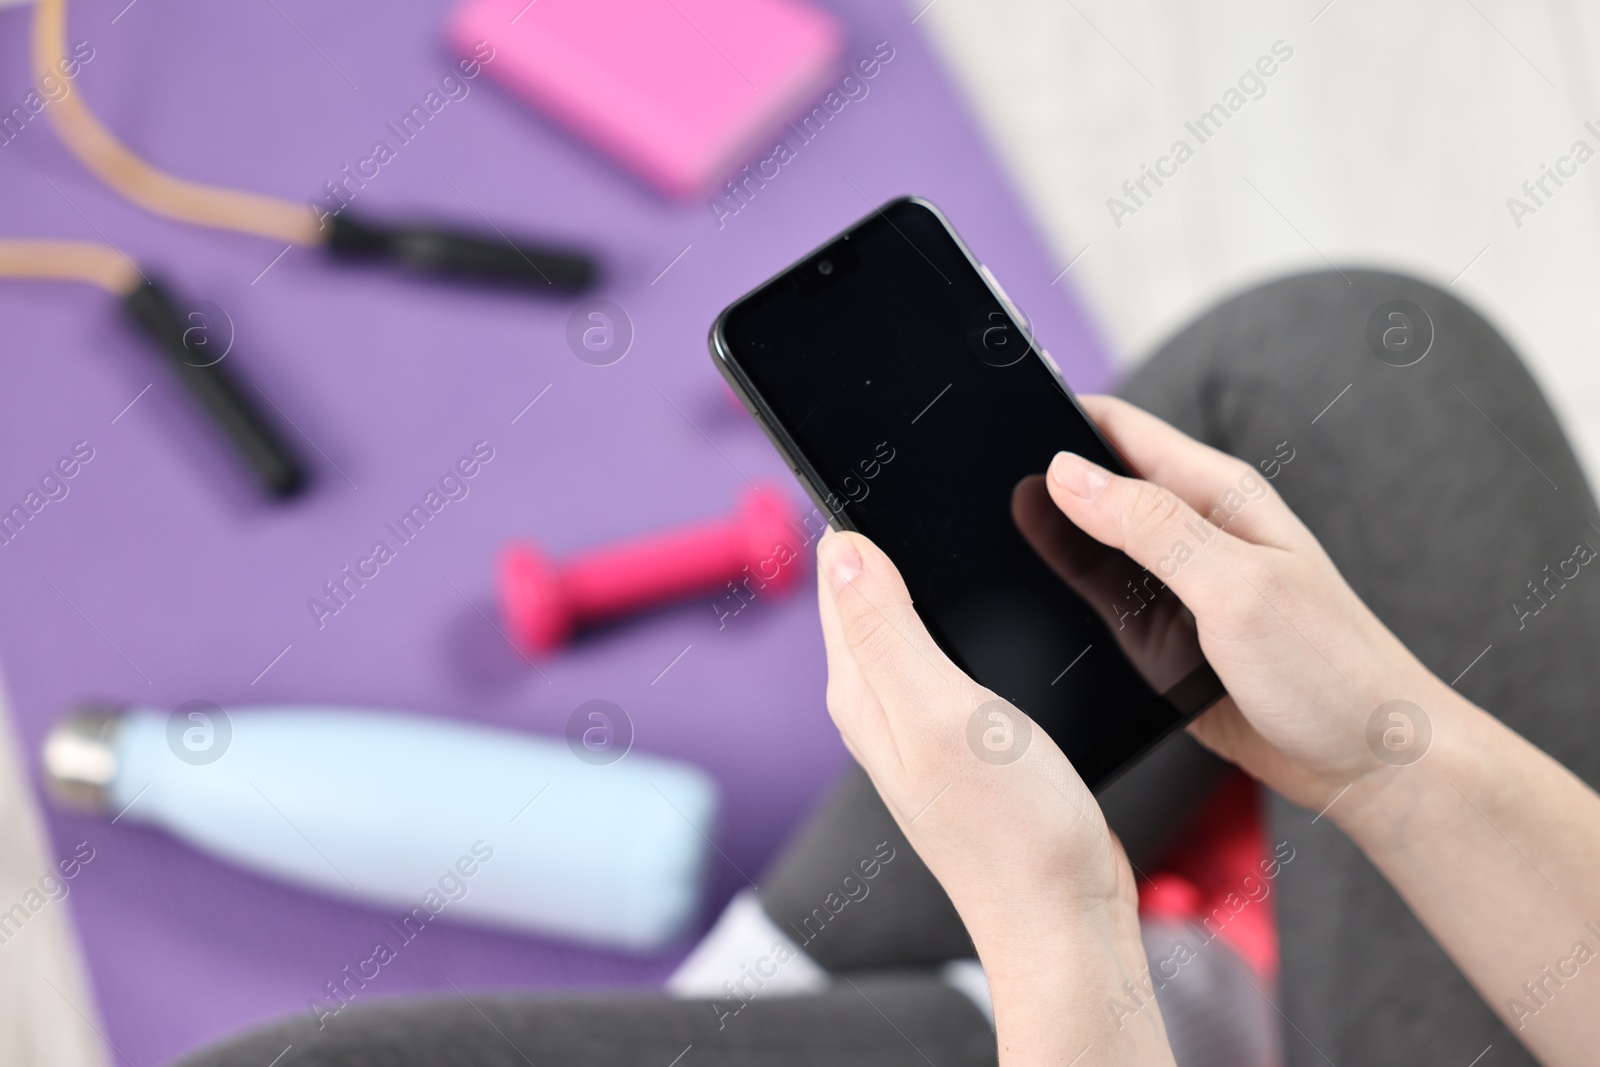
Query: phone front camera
x=825, y=267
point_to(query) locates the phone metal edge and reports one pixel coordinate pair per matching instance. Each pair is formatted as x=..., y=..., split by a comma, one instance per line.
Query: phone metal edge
x=733, y=375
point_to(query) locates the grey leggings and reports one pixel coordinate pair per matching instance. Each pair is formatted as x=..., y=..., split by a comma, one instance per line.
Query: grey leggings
x=1441, y=489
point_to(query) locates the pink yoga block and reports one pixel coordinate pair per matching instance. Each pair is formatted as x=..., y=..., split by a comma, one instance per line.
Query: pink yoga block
x=677, y=91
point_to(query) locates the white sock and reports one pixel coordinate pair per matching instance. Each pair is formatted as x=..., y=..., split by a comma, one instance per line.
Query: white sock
x=967, y=977
x=746, y=942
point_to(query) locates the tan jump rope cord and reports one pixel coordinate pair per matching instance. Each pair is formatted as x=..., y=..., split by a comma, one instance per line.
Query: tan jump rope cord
x=155, y=190
x=73, y=261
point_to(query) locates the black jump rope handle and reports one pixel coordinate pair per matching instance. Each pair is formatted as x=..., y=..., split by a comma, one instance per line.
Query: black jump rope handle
x=450, y=253
x=254, y=439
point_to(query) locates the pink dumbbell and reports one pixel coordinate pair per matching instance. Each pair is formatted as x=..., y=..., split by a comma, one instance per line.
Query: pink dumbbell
x=544, y=601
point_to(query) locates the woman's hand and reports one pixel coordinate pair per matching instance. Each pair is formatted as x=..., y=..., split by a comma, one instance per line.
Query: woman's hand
x=1306, y=663
x=1010, y=831
x=1006, y=825
x=1494, y=845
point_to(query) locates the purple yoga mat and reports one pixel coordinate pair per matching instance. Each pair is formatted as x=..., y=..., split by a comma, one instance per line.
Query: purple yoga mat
x=159, y=578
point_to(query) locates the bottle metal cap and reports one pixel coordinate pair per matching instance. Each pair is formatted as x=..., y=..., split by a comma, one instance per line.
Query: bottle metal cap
x=80, y=758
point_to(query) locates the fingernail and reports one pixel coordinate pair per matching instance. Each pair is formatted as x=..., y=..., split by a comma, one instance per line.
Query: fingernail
x=1078, y=476
x=840, y=560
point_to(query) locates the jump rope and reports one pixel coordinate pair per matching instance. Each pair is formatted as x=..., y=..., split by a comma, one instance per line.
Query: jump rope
x=438, y=251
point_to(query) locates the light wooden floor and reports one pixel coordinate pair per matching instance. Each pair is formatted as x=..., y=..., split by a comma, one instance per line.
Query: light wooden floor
x=1392, y=137
x=48, y=1016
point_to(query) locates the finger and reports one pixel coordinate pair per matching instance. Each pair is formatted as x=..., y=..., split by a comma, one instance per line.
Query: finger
x=1161, y=642
x=1149, y=522
x=852, y=704
x=1097, y=572
x=1229, y=492
x=879, y=629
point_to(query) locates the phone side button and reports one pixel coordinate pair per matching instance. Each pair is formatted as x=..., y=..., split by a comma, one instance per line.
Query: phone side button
x=1005, y=298
x=794, y=468
x=1055, y=368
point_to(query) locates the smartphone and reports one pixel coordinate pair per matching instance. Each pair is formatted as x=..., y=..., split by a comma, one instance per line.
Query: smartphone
x=910, y=400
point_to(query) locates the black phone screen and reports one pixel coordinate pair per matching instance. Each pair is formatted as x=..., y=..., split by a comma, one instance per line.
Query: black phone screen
x=923, y=417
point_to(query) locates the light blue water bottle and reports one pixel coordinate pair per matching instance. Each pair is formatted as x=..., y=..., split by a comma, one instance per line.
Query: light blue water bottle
x=406, y=812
